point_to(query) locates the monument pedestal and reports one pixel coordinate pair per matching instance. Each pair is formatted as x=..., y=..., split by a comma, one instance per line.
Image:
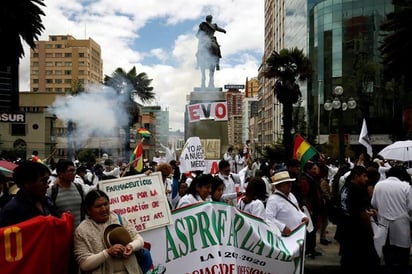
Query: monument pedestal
x=206, y=117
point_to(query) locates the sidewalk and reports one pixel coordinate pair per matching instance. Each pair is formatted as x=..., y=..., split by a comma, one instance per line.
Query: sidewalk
x=329, y=262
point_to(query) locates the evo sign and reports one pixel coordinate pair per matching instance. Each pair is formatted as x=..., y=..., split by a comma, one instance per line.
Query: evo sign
x=8, y=117
x=214, y=111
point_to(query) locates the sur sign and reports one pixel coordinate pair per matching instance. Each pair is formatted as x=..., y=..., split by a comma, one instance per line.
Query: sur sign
x=216, y=111
x=8, y=117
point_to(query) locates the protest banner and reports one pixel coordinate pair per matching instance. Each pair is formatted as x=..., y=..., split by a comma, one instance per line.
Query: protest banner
x=192, y=157
x=34, y=246
x=210, y=237
x=140, y=198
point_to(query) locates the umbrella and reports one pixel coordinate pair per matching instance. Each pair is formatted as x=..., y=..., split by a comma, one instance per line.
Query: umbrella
x=8, y=165
x=6, y=171
x=398, y=151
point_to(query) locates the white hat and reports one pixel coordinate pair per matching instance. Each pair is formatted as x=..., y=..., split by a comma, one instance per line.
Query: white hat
x=281, y=177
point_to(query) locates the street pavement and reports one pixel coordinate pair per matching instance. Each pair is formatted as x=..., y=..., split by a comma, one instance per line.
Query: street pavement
x=329, y=262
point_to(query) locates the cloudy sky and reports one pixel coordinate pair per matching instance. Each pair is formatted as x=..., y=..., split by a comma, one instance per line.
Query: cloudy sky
x=158, y=37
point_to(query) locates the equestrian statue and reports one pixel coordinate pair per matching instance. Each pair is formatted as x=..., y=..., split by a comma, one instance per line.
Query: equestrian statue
x=208, y=50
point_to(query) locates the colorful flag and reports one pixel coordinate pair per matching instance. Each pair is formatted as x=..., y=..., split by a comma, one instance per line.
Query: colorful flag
x=302, y=150
x=136, y=159
x=144, y=132
x=364, y=138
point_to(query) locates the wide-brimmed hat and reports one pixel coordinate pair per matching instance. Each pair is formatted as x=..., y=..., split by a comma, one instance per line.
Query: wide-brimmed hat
x=281, y=177
x=116, y=234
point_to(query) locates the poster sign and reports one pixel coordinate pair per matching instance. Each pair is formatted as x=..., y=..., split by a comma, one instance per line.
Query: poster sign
x=211, y=237
x=216, y=111
x=140, y=198
x=192, y=157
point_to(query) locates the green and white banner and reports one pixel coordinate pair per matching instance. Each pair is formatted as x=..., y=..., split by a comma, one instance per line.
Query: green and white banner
x=216, y=238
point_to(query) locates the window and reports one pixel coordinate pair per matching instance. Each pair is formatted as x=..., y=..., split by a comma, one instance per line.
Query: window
x=36, y=55
x=49, y=81
x=68, y=54
x=58, y=54
x=68, y=64
x=49, y=55
x=59, y=46
x=49, y=64
x=58, y=89
x=67, y=72
x=35, y=64
x=35, y=81
x=49, y=72
x=58, y=81
x=18, y=129
x=81, y=54
x=67, y=81
x=49, y=90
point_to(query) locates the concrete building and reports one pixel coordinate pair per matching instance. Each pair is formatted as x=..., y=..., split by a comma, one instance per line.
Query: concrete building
x=159, y=127
x=285, y=27
x=234, y=99
x=65, y=64
x=250, y=112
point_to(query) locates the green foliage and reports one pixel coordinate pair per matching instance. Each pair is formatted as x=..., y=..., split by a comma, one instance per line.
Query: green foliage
x=19, y=20
x=86, y=156
x=287, y=67
x=275, y=152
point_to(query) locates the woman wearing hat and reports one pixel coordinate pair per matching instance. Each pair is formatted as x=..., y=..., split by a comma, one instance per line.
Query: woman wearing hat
x=282, y=207
x=105, y=242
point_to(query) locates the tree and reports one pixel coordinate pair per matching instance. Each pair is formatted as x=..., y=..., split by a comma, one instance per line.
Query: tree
x=18, y=20
x=131, y=85
x=287, y=67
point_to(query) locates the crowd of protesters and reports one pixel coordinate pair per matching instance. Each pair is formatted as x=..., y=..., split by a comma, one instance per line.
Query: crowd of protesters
x=358, y=197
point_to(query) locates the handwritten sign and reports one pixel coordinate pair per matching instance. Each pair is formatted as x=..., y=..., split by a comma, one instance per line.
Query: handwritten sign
x=192, y=157
x=140, y=198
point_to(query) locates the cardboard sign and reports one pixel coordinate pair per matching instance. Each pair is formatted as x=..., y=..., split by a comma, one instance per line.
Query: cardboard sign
x=140, y=198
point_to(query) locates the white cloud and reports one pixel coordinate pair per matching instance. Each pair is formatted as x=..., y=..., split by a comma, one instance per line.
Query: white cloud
x=115, y=25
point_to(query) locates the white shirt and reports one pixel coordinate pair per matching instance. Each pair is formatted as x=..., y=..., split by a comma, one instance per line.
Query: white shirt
x=393, y=200
x=229, y=192
x=255, y=207
x=281, y=213
x=228, y=157
x=189, y=199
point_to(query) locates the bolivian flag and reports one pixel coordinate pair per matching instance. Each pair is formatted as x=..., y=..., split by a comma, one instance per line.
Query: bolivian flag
x=144, y=132
x=137, y=157
x=302, y=150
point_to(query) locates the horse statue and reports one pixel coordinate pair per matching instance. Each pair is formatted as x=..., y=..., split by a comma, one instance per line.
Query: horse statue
x=208, y=50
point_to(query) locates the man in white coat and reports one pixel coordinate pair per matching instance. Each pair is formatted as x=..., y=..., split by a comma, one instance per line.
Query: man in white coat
x=392, y=197
x=282, y=208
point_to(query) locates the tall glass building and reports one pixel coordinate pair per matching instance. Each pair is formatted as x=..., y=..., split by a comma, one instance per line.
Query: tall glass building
x=344, y=37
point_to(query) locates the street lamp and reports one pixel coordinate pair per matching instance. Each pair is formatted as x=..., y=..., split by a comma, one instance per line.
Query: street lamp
x=340, y=105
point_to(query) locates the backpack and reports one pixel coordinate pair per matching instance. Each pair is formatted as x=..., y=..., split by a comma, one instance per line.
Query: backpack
x=55, y=191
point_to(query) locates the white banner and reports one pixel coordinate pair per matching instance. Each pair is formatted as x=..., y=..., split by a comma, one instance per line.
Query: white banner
x=140, y=198
x=192, y=157
x=211, y=237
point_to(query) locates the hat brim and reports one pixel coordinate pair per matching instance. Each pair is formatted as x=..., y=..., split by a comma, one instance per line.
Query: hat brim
x=115, y=234
x=284, y=180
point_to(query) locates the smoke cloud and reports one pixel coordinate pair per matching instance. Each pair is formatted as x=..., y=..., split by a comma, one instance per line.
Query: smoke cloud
x=98, y=112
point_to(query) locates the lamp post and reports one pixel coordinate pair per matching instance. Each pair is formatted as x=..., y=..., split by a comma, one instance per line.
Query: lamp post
x=340, y=105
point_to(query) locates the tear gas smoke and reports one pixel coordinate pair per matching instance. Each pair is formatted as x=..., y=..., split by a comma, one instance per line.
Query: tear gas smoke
x=98, y=112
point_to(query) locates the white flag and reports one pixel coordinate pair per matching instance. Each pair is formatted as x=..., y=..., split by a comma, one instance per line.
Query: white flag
x=192, y=157
x=364, y=139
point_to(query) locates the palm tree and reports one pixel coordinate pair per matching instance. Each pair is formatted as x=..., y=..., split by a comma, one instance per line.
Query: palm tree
x=18, y=20
x=133, y=85
x=287, y=67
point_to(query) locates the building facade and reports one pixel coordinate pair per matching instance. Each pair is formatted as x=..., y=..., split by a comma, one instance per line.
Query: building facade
x=65, y=64
x=343, y=48
x=234, y=99
x=285, y=27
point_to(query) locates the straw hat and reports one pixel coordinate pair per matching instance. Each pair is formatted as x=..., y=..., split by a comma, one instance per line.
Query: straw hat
x=116, y=234
x=281, y=177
